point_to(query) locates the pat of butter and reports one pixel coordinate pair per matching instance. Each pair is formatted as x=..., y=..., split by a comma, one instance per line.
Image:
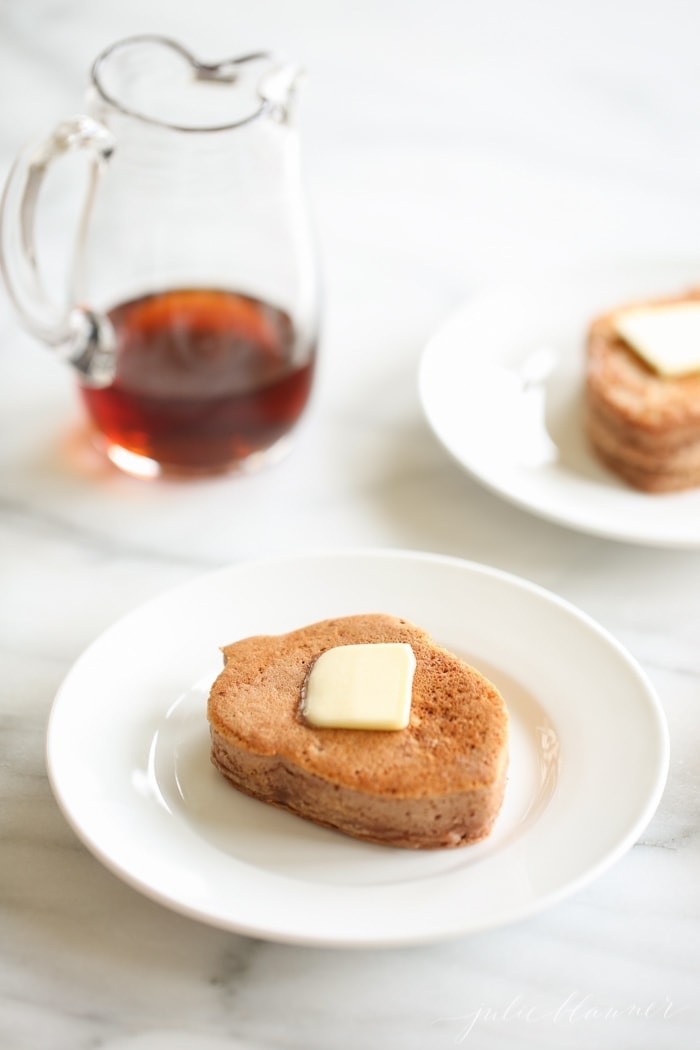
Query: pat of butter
x=361, y=687
x=667, y=337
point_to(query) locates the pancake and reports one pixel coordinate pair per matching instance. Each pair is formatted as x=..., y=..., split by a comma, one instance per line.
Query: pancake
x=643, y=425
x=437, y=783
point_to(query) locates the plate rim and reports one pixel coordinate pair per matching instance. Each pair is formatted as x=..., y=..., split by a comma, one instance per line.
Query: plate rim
x=652, y=704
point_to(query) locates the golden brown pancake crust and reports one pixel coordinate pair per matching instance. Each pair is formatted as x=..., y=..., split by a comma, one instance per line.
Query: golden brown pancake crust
x=644, y=426
x=439, y=782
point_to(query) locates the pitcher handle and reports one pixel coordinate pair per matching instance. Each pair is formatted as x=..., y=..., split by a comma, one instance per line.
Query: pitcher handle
x=80, y=336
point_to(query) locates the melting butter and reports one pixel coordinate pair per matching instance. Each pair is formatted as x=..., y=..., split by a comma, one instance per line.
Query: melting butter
x=361, y=687
x=667, y=337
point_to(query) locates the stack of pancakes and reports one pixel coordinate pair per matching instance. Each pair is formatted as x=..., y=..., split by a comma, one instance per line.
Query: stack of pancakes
x=643, y=425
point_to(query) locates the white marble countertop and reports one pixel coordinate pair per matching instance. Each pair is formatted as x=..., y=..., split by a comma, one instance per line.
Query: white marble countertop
x=447, y=145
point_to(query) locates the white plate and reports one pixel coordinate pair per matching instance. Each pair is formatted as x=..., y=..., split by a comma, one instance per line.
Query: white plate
x=501, y=383
x=128, y=756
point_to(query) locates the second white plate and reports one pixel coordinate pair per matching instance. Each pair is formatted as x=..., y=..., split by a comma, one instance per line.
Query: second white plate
x=128, y=756
x=501, y=386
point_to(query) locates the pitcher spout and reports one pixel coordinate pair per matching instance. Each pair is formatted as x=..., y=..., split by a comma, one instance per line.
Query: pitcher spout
x=278, y=88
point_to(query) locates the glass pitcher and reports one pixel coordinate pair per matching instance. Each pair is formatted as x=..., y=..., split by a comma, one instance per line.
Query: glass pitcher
x=192, y=313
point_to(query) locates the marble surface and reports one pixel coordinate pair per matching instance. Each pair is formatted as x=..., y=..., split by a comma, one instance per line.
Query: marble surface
x=447, y=145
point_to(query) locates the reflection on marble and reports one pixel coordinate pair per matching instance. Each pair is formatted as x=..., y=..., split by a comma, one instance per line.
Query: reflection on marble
x=445, y=148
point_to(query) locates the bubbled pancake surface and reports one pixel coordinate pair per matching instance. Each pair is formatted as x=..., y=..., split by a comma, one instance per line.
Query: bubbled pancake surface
x=456, y=739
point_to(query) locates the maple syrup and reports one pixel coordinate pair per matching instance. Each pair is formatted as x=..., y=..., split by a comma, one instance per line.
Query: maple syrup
x=204, y=379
